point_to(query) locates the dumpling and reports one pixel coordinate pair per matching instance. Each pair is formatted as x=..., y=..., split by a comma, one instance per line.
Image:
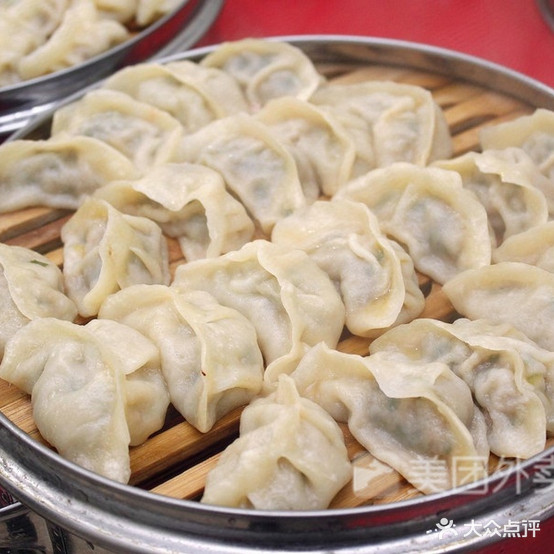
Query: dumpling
x=508, y=292
x=192, y=94
x=533, y=133
x=257, y=168
x=534, y=246
x=374, y=275
x=410, y=416
x=189, y=202
x=22, y=270
x=138, y=359
x=24, y=26
x=81, y=34
x=120, y=10
x=389, y=122
x=59, y=172
x=95, y=389
x=290, y=455
x=538, y=362
x=266, y=69
x=105, y=251
x=143, y=133
x=150, y=10
x=288, y=298
x=507, y=376
x=443, y=226
x=209, y=353
x=504, y=182
x=323, y=151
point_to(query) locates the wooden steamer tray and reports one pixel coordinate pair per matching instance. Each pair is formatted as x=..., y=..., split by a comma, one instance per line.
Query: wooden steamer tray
x=174, y=461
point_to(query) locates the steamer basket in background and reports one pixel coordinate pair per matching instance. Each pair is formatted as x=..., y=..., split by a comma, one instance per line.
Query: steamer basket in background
x=177, y=31
x=78, y=511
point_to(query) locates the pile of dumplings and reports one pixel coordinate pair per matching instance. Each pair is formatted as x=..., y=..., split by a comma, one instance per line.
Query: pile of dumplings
x=305, y=211
x=39, y=37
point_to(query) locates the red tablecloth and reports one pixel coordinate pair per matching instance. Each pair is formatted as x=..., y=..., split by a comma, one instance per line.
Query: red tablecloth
x=511, y=33
x=508, y=32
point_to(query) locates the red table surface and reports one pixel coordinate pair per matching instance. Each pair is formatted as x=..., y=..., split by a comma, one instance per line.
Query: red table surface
x=511, y=33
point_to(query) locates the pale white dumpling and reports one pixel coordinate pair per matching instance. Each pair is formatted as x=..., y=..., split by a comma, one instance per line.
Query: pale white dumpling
x=143, y=133
x=59, y=172
x=408, y=415
x=192, y=94
x=510, y=378
x=150, y=10
x=81, y=34
x=266, y=69
x=375, y=276
x=282, y=291
x=189, y=202
x=290, y=455
x=25, y=25
x=21, y=271
x=533, y=133
x=209, y=353
x=537, y=362
x=388, y=122
x=534, y=246
x=256, y=167
x=504, y=182
x=95, y=389
x=120, y=10
x=323, y=151
x=508, y=292
x=105, y=251
x=443, y=226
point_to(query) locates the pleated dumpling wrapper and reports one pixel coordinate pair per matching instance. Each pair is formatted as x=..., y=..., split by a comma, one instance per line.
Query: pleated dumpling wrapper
x=419, y=418
x=95, y=389
x=290, y=455
x=23, y=270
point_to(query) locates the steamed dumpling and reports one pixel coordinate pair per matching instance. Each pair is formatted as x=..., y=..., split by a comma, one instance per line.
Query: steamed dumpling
x=290, y=455
x=504, y=182
x=209, y=353
x=120, y=10
x=535, y=246
x=510, y=378
x=508, y=292
x=323, y=151
x=81, y=34
x=150, y=10
x=105, y=251
x=189, y=202
x=443, y=226
x=407, y=415
x=22, y=270
x=25, y=25
x=389, y=122
x=59, y=172
x=289, y=299
x=95, y=389
x=143, y=133
x=533, y=133
x=256, y=167
x=192, y=94
x=266, y=69
x=374, y=275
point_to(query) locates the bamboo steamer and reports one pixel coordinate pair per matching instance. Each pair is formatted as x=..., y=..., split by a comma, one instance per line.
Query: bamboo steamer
x=159, y=511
